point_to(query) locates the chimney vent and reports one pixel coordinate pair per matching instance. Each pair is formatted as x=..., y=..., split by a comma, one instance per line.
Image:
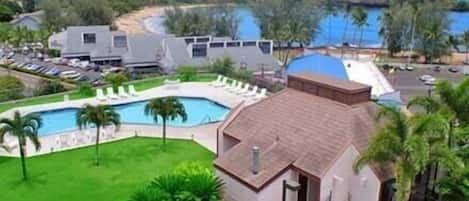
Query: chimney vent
x=255, y=160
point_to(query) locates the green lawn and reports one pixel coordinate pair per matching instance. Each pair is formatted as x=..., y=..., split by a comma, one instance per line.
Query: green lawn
x=126, y=166
x=74, y=95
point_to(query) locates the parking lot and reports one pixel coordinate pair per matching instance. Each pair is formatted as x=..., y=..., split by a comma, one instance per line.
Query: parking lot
x=410, y=85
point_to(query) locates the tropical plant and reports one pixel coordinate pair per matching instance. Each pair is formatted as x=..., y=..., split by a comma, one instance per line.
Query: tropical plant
x=116, y=79
x=46, y=87
x=99, y=116
x=187, y=73
x=410, y=144
x=167, y=108
x=11, y=88
x=450, y=100
x=22, y=127
x=190, y=183
x=223, y=65
x=330, y=11
x=360, y=19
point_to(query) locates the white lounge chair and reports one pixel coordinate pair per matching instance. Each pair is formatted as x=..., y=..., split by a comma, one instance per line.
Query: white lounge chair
x=232, y=85
x=110, y=93
x=214, y=83
x=132, y=91
x=238, y=87
x=261, y=95
x=253, y=92
x=121, y=92
x=244, y=90
x=222, y=83
x=100, y=95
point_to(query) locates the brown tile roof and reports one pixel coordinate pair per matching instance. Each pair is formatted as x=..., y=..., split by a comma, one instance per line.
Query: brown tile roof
x=295, y=129
x=343, y=85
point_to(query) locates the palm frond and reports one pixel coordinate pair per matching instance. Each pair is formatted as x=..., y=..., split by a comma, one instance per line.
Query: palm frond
x=430, y=105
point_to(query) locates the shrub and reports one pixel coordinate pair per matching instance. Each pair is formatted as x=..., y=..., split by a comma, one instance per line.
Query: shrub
x=187, y=73
x=53, y=53
x=11, y=88
x=116, y=79
x=86, y=90
x=223, y=66
x=243, y=75
x=189, y=182
x=46, y=87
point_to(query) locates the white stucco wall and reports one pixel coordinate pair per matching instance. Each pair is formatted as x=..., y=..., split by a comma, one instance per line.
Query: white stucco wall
x=345, y=185
x=272, y=192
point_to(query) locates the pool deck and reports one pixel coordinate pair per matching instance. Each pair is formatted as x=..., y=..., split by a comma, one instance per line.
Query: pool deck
x=205, y=135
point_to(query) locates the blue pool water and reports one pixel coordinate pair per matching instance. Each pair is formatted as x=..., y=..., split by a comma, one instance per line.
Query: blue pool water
x=318, y=64
x=199, y=111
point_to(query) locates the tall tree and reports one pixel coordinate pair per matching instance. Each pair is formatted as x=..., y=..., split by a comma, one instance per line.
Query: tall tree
x=167, y=108
x=410, y=144
x=23, y=128
x=360, y=19
x=277, y=17
x=99, y=116
x=466, y=44
x=330, y=11
x=28, y=5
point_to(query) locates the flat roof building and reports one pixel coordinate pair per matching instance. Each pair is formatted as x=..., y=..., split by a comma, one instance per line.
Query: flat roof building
x=144, y=51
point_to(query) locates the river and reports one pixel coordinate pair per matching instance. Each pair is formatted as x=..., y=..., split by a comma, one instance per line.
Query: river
x=249, y=30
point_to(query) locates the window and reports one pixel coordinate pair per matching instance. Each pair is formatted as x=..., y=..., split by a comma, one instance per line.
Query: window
x=249, y=43
x=217, y=44
x=189, y=40
x=199, y=50
x=265, y=47
x=203, y=40
x=89, y=38
x=120, y=41
x=233, y=44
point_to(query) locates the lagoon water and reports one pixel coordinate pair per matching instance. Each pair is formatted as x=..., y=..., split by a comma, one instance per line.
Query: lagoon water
x=249, y=29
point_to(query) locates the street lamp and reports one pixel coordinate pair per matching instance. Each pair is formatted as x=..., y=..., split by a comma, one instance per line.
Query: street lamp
x=291, y=185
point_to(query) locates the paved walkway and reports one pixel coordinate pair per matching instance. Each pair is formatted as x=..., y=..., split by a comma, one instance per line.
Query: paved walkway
x=203, y=134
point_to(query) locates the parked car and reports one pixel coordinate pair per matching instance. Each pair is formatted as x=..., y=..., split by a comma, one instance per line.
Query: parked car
x=10, y=55
x=425, y=78
x=53, y=72
x=437, y=69
x=71, y=74
x=73, y=62
x=82, y=78
x=402, y=68
x=453, y=69
x=409, y=68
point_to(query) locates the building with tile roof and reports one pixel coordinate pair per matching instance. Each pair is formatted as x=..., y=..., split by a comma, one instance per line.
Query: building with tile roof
x=310, y=133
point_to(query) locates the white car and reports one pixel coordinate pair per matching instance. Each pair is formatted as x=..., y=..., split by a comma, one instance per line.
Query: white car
x=426, y=77
x=409, y=68
x=73, y=62
x=71, y=74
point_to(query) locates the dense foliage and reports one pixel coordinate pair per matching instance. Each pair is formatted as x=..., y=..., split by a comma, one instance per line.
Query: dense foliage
x=62, y=13
x=11, y=88
x=187, y=73
x=46, y=87
x=288, y=22
x=219, y=21
x=116, y=79
x=189, y=182
x=226, y=66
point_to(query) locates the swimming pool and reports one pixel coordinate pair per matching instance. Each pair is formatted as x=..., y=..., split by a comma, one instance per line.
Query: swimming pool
x=199, y=111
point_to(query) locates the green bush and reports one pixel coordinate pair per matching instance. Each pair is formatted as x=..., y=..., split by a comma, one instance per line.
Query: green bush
x=46, y=87
x=116, y=79
x=53, y=53
x=189, y=182
x=11, y=88
x=242, y=75
x=187, y=73
x=223, y=66
x=86, y=90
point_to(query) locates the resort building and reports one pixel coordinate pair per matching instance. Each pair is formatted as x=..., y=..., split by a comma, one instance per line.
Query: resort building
x=300, y=145
x=32, y=21
x=147, y=52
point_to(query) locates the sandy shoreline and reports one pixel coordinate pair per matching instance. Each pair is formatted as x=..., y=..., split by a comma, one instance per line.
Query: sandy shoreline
x=134, y=22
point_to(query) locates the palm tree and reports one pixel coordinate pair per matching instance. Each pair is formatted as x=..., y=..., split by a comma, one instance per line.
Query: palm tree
x=330, y=12
x=410, y=144
x=168, y=108
x=347, y=10
x=453, y=42
x=22, y=127
x=100, y=116
x=360, y=19
x=466, y=43
x=450, y=100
